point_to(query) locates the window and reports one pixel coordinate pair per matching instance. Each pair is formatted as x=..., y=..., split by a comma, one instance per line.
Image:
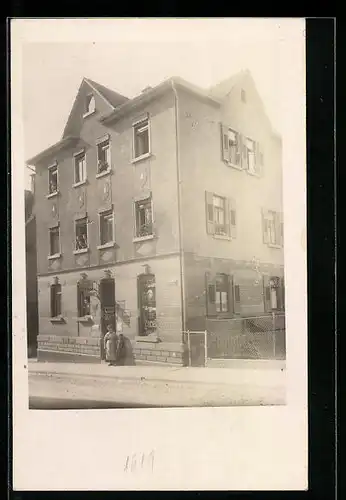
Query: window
x=54, y=240
x=243, y=95
x=272, y=228
x=103, y=156
x=80, y=168
x=144, y=220
x=231, y=145
x=141, y=138
x=274, y=293
x=221, y=215
x=55, y=300
x=81, y=231
x=53, y=179
x=219, y=293
x=90, y=104
x=222, y=293
x=106, y=227
x=83, y=298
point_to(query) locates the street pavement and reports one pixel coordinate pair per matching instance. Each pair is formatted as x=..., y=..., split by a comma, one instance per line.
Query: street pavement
x=82, y=385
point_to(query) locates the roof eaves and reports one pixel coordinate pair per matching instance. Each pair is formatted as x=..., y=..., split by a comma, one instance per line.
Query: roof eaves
x=58, y=146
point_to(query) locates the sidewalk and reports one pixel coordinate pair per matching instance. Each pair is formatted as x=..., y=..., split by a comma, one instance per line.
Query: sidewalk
x=238, y=372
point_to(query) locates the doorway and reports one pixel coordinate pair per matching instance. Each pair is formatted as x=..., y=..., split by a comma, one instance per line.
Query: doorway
x=107, y=303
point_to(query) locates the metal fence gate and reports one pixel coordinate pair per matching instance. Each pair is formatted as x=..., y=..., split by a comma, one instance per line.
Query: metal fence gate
x=257, y=337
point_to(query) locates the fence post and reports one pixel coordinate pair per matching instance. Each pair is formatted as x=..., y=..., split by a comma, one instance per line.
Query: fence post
x=274, y=335
x=189, y=346
x=205, y=347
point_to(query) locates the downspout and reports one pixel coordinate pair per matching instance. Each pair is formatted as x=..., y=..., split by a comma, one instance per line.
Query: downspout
x=180, y=221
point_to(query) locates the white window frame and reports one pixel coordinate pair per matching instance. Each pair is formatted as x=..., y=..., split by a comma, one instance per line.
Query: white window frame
x=51, y=167
x=81, y=250
x=135, y=126
x=109, y=244
x=135, y=202
x=99, y=142
x=76, y=156
x=253, y=152
x=53, y=286
x=55, y=255
x=215, y=207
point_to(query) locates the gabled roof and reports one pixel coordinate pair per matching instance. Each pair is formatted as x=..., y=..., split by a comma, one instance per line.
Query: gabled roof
x=113, y=98
x=222, y=89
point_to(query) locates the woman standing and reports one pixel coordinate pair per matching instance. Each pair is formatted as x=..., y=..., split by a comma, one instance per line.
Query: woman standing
x=110, y=345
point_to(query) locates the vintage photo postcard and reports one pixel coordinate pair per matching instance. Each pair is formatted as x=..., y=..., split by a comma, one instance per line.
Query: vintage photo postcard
x=159, y=254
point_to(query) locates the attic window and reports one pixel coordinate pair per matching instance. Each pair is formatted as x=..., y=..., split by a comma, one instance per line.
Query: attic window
x=89, y=104
x=243, y=95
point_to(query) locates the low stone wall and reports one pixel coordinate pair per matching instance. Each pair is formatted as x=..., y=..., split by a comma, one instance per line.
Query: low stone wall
x=82, y=346
x=161, y=352
x=88, y=349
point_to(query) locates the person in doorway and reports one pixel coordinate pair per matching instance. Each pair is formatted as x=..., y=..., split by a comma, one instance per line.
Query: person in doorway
x=110, y=345
x=121, y=347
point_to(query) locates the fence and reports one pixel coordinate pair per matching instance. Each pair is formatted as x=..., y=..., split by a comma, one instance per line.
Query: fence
x=257, y=337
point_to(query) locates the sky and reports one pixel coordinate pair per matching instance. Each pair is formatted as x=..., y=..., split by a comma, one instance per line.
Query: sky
x=128, y=55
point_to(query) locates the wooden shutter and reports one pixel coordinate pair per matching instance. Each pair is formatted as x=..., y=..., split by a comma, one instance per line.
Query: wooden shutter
x=209, y=210
x=52, y=302
x=230, y=294
x=210, y=294
x=266, y=293
x=264, y=225
x=240, y=150
x=79, y=308
x=224, y=143
x=232, y=218
x=236, y=298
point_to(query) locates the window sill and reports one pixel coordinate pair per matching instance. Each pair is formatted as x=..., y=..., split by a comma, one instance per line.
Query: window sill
x=55, y=256
x=103, y=174
x=137, y=239
x=57, y=319
x=140, y=158
x=89, y=113
x=81, y=183
x=85, y=319
x=52, y=195
x=222, y=237
x=82, y=250
x=271, y=245
x=154, y=339
x=106, y=245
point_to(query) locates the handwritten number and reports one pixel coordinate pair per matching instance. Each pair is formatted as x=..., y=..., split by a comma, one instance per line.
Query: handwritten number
x=146, y=461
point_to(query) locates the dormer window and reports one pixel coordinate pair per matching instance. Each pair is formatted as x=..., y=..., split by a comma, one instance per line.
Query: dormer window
x=90, y=106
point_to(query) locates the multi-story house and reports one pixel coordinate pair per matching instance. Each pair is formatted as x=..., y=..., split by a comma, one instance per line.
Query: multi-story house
x=169, y=205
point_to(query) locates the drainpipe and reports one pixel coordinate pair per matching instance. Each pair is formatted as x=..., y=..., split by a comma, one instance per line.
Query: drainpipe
x=180, y=221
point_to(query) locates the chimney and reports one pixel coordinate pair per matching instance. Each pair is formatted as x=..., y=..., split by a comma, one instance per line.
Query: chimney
x=146, y=89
